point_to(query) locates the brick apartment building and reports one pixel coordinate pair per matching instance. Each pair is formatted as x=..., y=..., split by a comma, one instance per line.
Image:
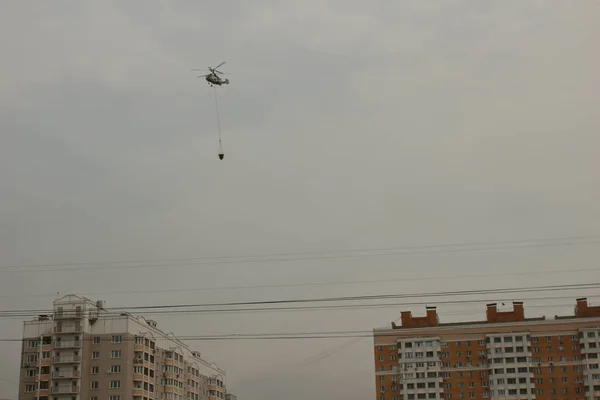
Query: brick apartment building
x=507, y=356
x=81, y=352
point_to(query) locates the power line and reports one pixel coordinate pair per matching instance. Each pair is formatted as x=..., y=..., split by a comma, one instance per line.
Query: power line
x=319, y=283
x=430, y=249
x=311, y=335
x=320, y=308
x=172, y=307
x=291, y=335
x=295, y=253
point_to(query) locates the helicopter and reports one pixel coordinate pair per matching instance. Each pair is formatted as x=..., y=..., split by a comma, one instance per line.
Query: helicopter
x=213, y=78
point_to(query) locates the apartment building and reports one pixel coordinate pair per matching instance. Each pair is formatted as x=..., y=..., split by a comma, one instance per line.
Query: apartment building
x=82, y=352
x=506, y=356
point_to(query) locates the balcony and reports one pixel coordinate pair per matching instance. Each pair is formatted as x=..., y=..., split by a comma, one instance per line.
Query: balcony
x=76, y=344
x=66, y=359
x=66, y=375
x=64, y=389
x=68, y=315
x=68, y=329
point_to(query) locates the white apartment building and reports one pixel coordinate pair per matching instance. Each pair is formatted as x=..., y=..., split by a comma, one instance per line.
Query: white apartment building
x=82, y=352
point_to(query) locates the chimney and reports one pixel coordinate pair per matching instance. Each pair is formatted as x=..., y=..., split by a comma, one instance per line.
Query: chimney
x=432, y=317
x=581, y=307
x=406, y=318
x=519, y=311
x=492, y=312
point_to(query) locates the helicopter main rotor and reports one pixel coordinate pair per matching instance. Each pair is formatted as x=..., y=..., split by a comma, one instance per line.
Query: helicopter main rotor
x=213, y=71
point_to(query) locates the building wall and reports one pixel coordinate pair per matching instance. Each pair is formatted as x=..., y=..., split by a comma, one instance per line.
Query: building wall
x=90, y=354
x=537, y=358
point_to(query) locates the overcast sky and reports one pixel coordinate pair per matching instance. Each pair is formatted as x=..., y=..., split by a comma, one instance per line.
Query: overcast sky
x=347, y=125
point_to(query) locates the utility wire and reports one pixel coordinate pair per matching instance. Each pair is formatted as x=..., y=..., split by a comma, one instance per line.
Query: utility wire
x=296, y=253
x=171, y=307
x=297, y=335
x=464, y=247
x=304, y=335
x=557, y=271
x=313, y=308
x=321, y=308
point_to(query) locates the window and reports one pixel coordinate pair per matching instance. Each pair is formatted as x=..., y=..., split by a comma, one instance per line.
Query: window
x=117, y=339
x=46, y=355
x=30, y=388
x=115, y=384
x=95, y=370
x=380, y=358
x=115, y=369
x=392, y=347
x=115, y=397
x=115, y=354
x=33, y=344
x=94, y=385
x=95, y=355
x=96, y=340
x=32, y=358
x=94, y=398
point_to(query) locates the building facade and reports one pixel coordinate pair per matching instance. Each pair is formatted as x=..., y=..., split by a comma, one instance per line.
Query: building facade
x=81, y=352
x=507, y=356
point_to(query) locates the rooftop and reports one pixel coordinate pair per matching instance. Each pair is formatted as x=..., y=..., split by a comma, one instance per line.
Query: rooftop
x=517, y=315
